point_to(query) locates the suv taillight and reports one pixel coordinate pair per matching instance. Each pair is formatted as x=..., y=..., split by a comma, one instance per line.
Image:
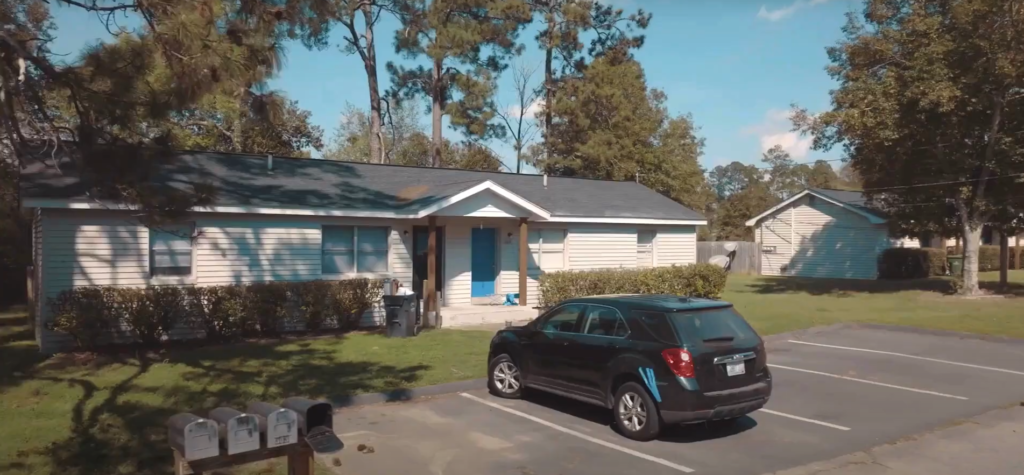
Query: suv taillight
x=680, y=361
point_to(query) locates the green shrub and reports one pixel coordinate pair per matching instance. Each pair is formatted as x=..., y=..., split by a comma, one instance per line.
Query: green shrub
x=267, y=302
x=312, y=299
x=909, y=263
x=220, y=311
x=988, y=258
x=84, y=313
x=350, y=299
x=695, y=280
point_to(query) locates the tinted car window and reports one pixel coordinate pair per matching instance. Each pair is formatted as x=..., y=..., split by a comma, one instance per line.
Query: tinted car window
x=657, y=326
x=604, y=321
x=562, y=319
x=715, y=324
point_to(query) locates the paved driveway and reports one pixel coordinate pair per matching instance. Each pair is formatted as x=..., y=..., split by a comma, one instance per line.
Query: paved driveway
x=837, y=390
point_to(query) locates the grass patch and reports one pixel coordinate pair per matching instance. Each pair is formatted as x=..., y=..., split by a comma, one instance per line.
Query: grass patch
x=106, y=414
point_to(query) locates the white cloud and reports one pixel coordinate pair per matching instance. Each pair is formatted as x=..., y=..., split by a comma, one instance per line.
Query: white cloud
x=786, y=11
x=775, y=130
x=532, y=111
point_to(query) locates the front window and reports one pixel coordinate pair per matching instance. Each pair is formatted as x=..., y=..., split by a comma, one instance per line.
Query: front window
x=355, y=250
x=170, y=250
x=547, y=249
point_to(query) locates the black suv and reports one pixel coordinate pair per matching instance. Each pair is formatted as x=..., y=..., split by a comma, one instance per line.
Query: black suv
x=652, y=359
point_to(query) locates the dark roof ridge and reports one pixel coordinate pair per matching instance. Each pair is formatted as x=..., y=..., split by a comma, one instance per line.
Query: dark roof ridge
x=396, y=165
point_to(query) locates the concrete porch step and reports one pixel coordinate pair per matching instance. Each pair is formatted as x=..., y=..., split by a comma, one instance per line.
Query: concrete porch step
x=484, y=314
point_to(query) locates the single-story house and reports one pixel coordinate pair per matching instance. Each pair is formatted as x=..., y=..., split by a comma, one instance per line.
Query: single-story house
x=276, y=218
x=823, y=233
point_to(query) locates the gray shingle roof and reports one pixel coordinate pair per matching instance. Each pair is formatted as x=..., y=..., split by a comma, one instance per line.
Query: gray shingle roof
x=852, y=198
x=243, y=180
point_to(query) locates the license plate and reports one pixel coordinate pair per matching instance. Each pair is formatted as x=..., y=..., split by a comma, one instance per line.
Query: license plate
x=735, y=369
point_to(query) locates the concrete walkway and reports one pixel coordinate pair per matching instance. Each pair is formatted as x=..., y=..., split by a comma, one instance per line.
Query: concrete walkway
x=989, y=444
x=490, y=327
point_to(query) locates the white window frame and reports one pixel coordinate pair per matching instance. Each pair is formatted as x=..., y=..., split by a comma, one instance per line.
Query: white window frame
x=189, y=278
x=355, y=253
x=540, y=249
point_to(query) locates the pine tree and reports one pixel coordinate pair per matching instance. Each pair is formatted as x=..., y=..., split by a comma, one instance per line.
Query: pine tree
x=467, y=43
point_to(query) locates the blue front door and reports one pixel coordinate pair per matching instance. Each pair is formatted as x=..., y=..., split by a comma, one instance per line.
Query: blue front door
x=483, y=266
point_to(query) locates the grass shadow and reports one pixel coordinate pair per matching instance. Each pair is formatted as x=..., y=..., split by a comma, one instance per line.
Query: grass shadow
x=850, y=287
x=118, y=425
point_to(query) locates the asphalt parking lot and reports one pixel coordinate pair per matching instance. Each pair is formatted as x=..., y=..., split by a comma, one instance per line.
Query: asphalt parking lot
x=837, y=390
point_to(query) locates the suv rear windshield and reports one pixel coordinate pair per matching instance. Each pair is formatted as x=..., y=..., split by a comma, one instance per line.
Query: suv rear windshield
x=713, y=325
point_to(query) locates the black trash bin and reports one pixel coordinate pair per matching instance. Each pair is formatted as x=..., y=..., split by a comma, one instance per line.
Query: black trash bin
x=400, y=315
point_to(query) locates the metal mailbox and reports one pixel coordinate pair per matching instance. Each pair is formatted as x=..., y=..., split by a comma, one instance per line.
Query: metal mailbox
x=193, y=437
x=311, y=413
x=239, y=432
x=278, y=426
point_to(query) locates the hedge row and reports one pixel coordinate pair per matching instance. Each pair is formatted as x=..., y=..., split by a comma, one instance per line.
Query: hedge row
x=217, y=313
x=988, y=259
x=694, y=280
x=909, y=263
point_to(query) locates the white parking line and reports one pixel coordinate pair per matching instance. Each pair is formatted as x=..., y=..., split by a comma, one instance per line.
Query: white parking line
x=804, y=419
x=577, y=434
x=1001, y=370
x=876, y=383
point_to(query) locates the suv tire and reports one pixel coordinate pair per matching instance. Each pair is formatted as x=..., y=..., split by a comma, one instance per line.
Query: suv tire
x=635, y=413
x=504, y=378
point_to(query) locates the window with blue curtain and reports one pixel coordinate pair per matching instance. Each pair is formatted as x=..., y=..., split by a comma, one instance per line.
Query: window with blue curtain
x=170, y=250
x=355, y=250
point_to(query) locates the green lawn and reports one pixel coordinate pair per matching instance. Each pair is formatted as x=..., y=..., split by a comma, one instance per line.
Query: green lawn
x=106, y=415
x=775, y=305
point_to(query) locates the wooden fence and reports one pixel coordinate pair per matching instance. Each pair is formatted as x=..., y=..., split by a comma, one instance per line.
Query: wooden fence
x=746, y=258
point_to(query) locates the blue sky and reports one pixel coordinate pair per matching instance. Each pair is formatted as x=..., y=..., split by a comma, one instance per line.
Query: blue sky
x=735, y=65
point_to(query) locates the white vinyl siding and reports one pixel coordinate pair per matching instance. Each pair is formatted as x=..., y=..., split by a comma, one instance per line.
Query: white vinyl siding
x=675, y=245
x=235, y=251
x=510, y=264
x=833, y=242
x=400, y=256
x=776, y=231
x=601, y=248
x=38, y=292
x=86, y=249
x=457, y=272
x=815, y=238
x=645, y=248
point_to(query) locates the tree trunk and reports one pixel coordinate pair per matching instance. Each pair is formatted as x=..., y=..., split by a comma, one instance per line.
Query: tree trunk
x=377, y=151
x=972, y=245
x=549, y=78
x=1004, y=258
x=435, y=117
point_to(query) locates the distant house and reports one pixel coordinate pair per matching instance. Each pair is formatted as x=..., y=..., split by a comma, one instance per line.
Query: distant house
x=305, y=219
x=823, y=233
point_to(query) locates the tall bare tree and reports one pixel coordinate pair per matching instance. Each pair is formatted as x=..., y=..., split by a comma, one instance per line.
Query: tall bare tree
x=520, y=118
x=363, y=44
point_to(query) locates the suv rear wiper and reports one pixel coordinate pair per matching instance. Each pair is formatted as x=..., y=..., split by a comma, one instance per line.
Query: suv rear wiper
x=719, y=338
